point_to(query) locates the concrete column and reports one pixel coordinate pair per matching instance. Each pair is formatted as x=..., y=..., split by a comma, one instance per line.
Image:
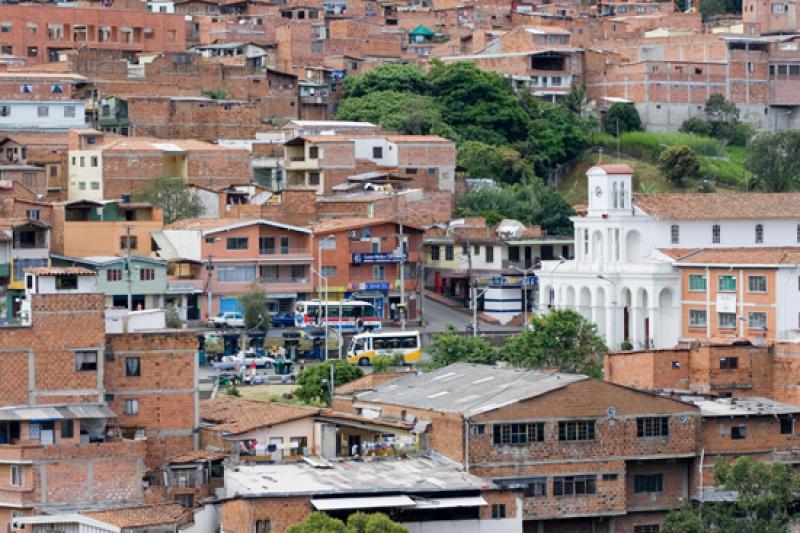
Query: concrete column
x=637, y=326
x=611, y=326
x=655, y=317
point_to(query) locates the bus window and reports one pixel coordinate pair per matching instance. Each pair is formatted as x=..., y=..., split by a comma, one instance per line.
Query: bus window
x=333, y=311
x=379, y=343
x=312, y=311
x=368, y=311
x=409, y=342
x=359, y=345
x=348, y=311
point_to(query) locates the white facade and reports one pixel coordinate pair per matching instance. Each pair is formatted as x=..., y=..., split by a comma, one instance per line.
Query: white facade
x=161, y=6
x=41, y=115
x=788, y=302
x=85, y=172
x=388, y=151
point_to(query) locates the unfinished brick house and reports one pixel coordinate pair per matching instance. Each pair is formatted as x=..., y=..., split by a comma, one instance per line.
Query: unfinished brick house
x=588, y=455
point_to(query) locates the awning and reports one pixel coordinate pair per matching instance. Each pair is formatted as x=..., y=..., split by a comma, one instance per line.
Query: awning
x=87, y=411
x=369, y=502
x=31, y=413
x=274, y=295
x=420, y=426
x=449, y=503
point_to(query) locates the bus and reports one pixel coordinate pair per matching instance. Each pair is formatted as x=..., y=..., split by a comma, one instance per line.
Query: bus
x=349, y=315
x=368, y=345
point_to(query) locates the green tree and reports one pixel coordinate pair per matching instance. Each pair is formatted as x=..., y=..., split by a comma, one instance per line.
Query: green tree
x=530, y=202
x=774, y=160
x=172, y=196
x=452, y=346
x=411, y=114
x=720, y=109
x=576, y=101
x=560, y=339
x=678, y=163
x=313, y=380
x=764, y=494
x=395, y=77
x=318, y=523
x=254, y=307
x=622, y=117
x=501, y=163
x=372, y=523
x=697, y=126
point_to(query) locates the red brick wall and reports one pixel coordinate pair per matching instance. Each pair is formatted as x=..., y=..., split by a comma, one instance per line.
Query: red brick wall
x=238, y=516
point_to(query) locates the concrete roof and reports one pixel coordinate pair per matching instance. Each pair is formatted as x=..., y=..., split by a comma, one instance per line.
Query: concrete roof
x=430, y=473
x=752, y=406
x=468, y=389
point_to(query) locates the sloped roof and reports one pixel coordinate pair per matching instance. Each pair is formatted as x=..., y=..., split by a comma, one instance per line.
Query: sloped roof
x=368, y=382
x=142, y=515
x=233, y=416
x=715, y=206
x=781, y=255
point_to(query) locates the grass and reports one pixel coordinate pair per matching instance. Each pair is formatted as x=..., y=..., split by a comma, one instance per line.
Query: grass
x=647, y=145
x=265, y=393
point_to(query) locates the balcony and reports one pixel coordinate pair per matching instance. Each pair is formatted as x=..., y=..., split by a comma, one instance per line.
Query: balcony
x=300, y=163
x=522, y=264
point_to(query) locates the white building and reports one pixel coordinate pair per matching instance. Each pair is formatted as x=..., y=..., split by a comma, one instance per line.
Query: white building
x=32, y=115
x=619, y=278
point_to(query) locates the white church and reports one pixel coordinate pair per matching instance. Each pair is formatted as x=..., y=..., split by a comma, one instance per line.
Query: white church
x=623, y=282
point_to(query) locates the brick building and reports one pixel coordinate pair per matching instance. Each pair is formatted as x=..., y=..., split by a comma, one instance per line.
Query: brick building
x=40, y=35
x=357, y=259
x=46, y=150
x=587, y=454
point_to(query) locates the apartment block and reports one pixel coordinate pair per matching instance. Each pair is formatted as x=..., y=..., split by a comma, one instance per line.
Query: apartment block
x=586, y=454
x=237, y=252
x=47, y=150
x=360, y=259
x=40, y=35
x=40, y=101
x=24, y=243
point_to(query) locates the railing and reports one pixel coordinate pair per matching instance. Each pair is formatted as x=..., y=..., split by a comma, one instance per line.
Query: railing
x=279, y=279
x=284, y=251
x=187, y=480
x=524, y=264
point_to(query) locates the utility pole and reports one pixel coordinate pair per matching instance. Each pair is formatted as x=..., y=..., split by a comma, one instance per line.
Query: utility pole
x=331, y=382
x=402, y=278
x=128, y=265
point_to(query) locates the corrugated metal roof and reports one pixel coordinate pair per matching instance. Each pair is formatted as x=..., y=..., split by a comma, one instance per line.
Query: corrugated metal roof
x=60, y=412
x=468, y=389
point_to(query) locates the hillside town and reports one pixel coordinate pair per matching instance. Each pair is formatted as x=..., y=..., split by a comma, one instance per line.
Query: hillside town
x=385, y=266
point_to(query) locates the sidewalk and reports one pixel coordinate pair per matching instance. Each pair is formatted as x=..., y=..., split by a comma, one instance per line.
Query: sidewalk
x=456, y=306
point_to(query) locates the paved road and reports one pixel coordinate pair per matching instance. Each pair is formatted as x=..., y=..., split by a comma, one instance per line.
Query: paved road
x=437, y=316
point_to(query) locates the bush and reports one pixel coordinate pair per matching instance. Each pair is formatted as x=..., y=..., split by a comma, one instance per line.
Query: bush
x=678, y=163
x=233, y=391
x=707, y=186
x=697, y=126
x=622, y=118
x=626, y=346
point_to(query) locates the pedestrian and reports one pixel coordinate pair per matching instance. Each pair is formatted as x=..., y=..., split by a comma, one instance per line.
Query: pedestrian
x=393, y=311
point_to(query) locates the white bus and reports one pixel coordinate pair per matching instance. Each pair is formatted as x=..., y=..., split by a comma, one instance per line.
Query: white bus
x=349, y=315
x=368, y=345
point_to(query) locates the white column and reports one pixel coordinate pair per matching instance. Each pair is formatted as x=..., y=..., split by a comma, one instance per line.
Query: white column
x=637, y=326
x=654, y=319
x=611, y=334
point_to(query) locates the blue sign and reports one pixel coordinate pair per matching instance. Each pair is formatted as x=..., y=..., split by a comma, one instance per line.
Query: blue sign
x=386, y=257
x=499, y=280
x=376, y=286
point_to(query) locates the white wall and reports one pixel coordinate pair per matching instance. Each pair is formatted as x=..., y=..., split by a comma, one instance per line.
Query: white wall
x=206, y=520
x=25, y=115
x=506, y=525
x=364, y=147
x=502, y=304
x=47, y=285
x=90, y=176
x=788, y=301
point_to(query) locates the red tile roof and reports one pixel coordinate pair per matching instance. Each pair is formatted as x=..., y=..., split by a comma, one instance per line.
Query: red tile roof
x=700, y=206
x=233, y=415
x=199, y=455
x=741, y=256
x=614, y=168
x=142, y=515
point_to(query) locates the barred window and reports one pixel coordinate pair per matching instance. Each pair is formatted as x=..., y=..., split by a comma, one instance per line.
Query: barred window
x=652, y=426
x=518, y=433
x=651, y=483
x=574, y=485
x=576, y=430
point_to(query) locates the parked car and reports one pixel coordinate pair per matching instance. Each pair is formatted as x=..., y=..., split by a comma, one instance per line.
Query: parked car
x=284, y=319
x=229, y=319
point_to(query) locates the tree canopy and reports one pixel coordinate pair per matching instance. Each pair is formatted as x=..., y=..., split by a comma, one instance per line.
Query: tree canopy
x=678, y=163
x=356, y=523
x=313, y=380
x=453, y=347
x=173, y=197
x=622, y=117
x=774, y=160
x=254, y=307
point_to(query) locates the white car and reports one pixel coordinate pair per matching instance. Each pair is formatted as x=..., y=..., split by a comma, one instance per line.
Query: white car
x=230, y=319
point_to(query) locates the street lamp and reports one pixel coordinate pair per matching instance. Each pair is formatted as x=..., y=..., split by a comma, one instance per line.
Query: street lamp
x=325, y=323
x=209, y=269
x=329, y=238
x=525, y=272
x=475, y=296
x=613, y=307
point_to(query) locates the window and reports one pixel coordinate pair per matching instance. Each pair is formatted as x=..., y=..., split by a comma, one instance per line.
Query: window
x=133, y=368
x=313, y=152
x=17, y=475
x=574, y=485
x=787, y=424
x=93, y=161
x=262, y=526
x=798, y=233
x=715, y=234
x=757, y=283
x=266, y=245
x=727, y=320
x=518, y=433
x=536, y=488
x=432, y=171
x=498, y=510
x=576, y=430
x=727, y=283
x=697, y=283
x=284, y=245
x=236, y=243
x=147, y=274
x=739, y=432
x=757, y=321
x=697, y=318
x=652, y=426
x=33, y=52
x=448, y=252
x=477, y=429
x=128, y=241
x=83, y=161
x=69, y=112
x=131, y=406
x=114, y=274
x=313, y=179
x=778, y=8
x=5, y=27
x=269, y=273
x=434, y=252
x=759, y=233
x=490, y=254
x=411, y=171
x=236, y=274
x=85, y=361
x=651, y=483
x=185, y=500
x=611, y=476
x=729, y=363
x=43, y=111
x=378, y=272
x=464, y=249
x=67, y=429
x=5, y=110
x=377, y=152
x=675, y=234
x=32, y=214
x=647, y=528
x=476, y=250
x=82, y=185
x=95, y=185
x=67, y=282
x=329, y=271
